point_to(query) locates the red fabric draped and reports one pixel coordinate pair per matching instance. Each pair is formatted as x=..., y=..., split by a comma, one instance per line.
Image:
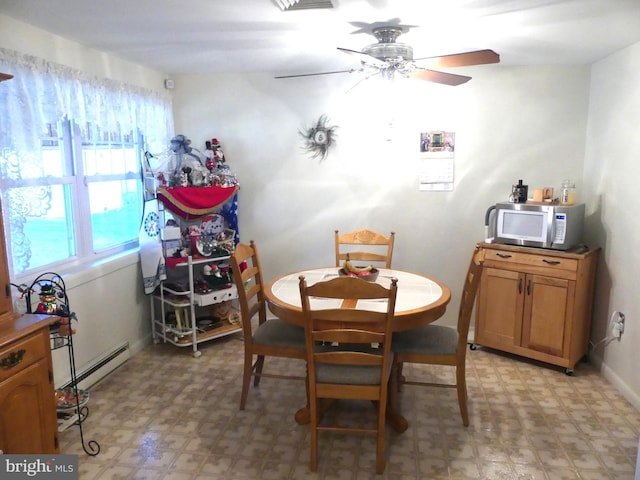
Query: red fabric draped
x=192, y=202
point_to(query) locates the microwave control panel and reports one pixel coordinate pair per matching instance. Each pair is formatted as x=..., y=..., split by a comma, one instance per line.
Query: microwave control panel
x=561, y=227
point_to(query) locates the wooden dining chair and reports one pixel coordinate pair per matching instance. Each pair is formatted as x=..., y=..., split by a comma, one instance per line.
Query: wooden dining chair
x=442, y=345
x=341, y=362
x=364, y=245
x=266, y=338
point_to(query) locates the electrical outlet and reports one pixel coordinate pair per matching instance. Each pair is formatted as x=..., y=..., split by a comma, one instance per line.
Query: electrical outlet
x=616, y=325
x=620, y=324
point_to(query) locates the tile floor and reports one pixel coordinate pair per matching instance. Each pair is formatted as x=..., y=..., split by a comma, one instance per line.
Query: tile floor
x=167, y=415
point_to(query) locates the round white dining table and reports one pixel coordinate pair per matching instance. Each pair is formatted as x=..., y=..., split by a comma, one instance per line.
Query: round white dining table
x=420, y=300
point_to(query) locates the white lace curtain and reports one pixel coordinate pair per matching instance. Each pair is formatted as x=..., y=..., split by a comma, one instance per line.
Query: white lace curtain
x=42, y=92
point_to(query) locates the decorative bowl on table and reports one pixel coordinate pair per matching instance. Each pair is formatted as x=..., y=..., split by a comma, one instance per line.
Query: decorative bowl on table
x=368, y=275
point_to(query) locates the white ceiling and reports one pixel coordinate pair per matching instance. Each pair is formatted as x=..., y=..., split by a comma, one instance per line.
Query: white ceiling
x=205, y=36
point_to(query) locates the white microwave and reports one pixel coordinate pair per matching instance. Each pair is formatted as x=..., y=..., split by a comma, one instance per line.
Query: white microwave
x=558, y=227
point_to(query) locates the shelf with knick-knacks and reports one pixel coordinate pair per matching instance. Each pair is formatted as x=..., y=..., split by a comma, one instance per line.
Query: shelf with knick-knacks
x=194, y=303
x=192, y=299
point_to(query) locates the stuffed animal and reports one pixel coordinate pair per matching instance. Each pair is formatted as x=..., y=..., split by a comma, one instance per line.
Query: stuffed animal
x=186, y=161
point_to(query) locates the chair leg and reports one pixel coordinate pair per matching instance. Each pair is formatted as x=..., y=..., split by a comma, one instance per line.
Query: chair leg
x=246, y=379
x=380, y=437
x=258, y=370
x=313, y=435
x=461, y=386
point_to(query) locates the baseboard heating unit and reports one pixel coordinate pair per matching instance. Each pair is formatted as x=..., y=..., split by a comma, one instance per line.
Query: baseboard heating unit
x=102, y=367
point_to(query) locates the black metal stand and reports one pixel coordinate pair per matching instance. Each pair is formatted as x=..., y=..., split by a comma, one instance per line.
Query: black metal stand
x=50, y=287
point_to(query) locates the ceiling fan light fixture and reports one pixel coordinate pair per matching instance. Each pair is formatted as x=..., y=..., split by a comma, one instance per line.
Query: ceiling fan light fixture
x=395, y=52
x=387, y=49
x=385, y=58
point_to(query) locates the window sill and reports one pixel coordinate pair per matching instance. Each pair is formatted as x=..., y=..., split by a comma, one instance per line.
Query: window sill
x=80, y=274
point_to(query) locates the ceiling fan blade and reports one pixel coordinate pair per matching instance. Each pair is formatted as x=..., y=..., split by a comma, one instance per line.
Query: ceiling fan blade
x=364, y=58
x=478, y=57
x=439, y=77
x=318, y=73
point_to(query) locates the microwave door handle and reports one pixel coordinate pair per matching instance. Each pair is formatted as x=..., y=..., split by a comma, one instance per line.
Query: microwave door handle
x=552, y=230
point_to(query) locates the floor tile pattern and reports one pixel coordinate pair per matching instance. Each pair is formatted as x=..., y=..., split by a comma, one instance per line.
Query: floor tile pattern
x=165, y=415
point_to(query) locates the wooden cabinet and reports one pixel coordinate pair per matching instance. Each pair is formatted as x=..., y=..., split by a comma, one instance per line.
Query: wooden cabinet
x=536, y=303
x=28, y=420
x=28, y=423
x=6, y=307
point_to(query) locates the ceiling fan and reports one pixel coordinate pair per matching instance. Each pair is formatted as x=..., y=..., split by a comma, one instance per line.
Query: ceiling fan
x=388, y=57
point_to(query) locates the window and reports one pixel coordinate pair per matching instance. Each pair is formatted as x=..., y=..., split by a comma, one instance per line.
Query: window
x=70, y=163
x=111, y=164
x=81, y=197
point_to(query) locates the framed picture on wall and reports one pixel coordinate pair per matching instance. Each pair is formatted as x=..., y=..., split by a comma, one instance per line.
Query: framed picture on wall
x=437, y=143
x=437, y=151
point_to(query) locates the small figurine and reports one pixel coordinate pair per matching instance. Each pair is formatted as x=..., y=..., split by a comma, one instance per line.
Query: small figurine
x=48, y=304
x=183, y=179
x=218, y=154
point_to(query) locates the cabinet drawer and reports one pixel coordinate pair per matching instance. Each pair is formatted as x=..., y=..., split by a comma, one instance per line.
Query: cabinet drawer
x=217, y=296
x=18, y=355
x=548, y=261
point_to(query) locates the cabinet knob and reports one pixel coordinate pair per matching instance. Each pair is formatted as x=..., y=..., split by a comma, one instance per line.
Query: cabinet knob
x=503, y=255
x=13, y=359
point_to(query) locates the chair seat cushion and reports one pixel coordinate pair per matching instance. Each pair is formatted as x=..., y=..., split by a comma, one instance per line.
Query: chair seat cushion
x=349, y=374
x=278, y=333
x=430, y=339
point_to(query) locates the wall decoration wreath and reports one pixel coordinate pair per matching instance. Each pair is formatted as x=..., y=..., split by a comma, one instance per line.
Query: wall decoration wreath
x=319, y=138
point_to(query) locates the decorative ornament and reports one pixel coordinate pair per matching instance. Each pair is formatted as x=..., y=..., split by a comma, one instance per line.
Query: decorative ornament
x=319, y=138
x=48, y=302
x=151, y=224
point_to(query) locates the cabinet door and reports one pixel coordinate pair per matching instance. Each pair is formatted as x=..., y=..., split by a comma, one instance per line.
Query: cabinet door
x=500, y=308
x=27, y=412
x=6, y=307
x=546, y=307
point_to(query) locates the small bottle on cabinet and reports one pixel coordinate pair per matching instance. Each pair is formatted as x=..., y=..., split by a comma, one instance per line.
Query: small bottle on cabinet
x=568, y=196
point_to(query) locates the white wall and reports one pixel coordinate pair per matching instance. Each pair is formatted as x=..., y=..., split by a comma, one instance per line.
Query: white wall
x=21, y=37
x=108, y=299
x=510, y=123
x=612, y=171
